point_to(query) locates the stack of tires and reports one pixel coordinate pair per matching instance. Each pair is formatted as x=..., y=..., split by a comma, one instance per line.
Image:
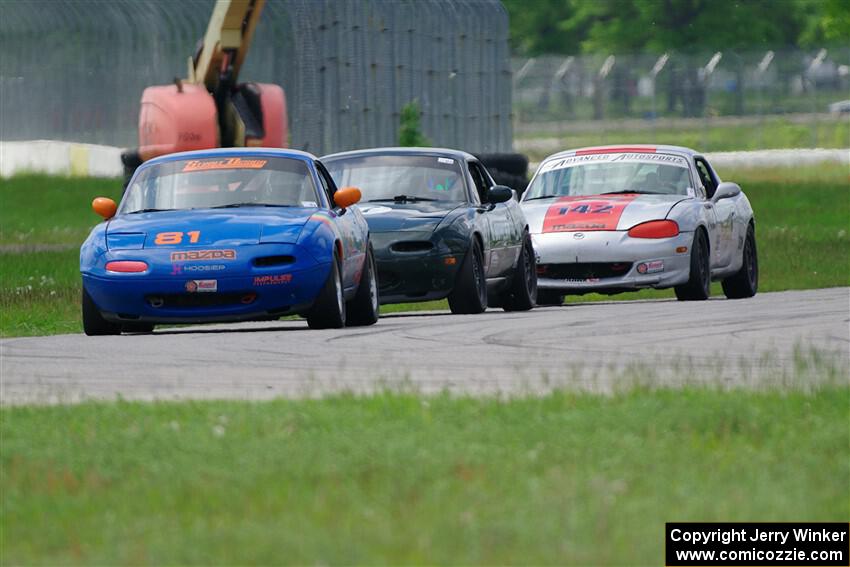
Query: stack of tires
x=507, y=169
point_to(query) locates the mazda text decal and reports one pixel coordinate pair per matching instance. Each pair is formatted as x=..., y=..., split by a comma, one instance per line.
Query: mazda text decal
x=194, y=255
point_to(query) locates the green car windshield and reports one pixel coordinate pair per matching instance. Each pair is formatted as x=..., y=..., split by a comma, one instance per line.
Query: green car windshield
x=391, y=177
x=221, y=182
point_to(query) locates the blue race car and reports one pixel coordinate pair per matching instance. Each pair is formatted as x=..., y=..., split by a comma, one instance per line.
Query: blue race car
x=228, y=235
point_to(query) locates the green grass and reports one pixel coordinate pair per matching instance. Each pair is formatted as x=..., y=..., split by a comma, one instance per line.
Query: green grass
x=389, y=479
x=772, y=134
x=40, y=209
x=802, y=214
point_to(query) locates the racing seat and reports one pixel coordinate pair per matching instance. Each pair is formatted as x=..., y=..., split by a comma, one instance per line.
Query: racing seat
x=674, y=179
x=651, y=183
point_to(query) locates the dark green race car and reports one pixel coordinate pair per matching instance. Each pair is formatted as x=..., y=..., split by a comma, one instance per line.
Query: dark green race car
x=440, y=227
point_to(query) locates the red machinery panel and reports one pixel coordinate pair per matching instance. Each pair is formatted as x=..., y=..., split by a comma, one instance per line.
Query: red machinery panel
x=173, y=120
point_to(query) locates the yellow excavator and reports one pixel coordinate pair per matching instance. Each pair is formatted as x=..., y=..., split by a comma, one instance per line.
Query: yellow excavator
x=209, y=108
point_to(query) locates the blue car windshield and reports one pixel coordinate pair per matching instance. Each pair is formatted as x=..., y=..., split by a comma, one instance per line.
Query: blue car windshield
x=385, y=177
x=221, y=181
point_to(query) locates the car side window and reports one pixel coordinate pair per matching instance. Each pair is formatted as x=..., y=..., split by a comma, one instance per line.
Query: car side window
x=480, y=180
x=706, y=176
x=327, y=182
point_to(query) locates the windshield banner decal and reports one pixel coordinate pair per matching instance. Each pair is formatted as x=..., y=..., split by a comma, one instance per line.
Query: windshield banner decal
x=572, y=161
x=227, y=163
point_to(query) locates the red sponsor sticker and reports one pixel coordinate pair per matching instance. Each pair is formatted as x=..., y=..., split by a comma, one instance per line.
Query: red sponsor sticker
x=276, y=279
x=202, y=286
x=569, y=214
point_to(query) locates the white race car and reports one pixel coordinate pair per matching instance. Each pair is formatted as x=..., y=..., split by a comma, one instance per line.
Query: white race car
x=613, y=219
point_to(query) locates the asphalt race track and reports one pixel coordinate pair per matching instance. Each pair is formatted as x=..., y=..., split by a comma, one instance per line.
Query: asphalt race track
x=774, y=337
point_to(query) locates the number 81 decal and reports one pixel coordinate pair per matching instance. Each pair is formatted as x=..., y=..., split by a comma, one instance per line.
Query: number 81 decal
x=177, y=237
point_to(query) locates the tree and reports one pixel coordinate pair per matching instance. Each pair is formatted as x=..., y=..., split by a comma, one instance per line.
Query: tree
x=535, y=27
x=410, y=133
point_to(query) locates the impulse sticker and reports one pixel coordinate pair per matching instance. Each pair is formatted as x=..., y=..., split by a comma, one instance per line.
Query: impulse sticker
x=569, y=214
x=276, y=279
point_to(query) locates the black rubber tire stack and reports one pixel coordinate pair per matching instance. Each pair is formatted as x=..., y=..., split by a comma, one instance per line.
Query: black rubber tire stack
x=510, y=170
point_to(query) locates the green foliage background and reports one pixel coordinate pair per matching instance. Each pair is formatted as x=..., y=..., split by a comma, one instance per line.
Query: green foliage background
x=688, y=26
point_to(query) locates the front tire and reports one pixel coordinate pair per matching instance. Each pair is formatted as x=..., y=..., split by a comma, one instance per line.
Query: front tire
x=698, y=287
x=469, y=295
x=137, y=327
x=365, y=307
x=549, y=298
x=745, y=282
x=94, y=325
x=328, y=312
x=522, y=294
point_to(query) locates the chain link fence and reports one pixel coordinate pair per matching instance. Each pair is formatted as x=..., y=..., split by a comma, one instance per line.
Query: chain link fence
x=75, y=69
x=597, y=98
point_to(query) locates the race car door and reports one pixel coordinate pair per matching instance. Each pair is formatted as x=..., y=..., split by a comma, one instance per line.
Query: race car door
x=499, y=220
x=352, y=231
x=723, y=247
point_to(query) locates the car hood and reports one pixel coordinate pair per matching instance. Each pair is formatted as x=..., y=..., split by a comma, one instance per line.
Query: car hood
x=233, y=227
x=414, y=217
x=599, y=212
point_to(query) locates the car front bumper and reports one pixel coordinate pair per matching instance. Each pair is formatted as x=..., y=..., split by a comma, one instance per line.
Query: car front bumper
x=409, y=276
x=174, y=292
x=612, y=261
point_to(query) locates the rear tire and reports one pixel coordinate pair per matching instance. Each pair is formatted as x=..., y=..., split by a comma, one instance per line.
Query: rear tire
x=94, y=325
x=549, y=298
x=745, y=282
x=522, y=294
x=698, y=287
x=469, y=295
x=365, y=307
x=328, y=312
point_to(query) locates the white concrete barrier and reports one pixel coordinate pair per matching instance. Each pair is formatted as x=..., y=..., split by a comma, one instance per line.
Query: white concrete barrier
x=777, y=158
x=90, y=160
x=60, y=158
x=766, y=158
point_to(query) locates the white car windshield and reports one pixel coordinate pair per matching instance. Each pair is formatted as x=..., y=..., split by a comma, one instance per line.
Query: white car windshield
x=221, y=182
x=389, y=177
x=611, y=173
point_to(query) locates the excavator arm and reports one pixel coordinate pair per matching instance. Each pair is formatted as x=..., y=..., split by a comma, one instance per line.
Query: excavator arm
x=210, y=108
x=225, y=44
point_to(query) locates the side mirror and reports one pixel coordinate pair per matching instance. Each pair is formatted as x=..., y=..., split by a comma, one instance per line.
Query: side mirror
x=105, y=207
x=347, y=196
x=499, y=194
x=726, y=190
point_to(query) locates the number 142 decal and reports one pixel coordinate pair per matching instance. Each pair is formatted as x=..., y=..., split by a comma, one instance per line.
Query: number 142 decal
x=587, y=209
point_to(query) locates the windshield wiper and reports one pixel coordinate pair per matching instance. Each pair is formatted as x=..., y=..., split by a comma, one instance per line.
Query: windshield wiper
x=543, y=197
x=149, y=211
x=401, y=199
x=235, y=205
x=638, y=192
